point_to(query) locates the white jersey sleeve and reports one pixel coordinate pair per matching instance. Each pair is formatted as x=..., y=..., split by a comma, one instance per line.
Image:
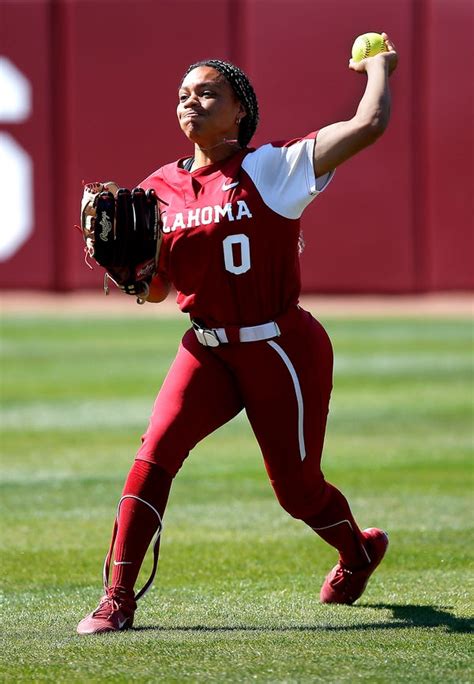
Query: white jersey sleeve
x=284, y=176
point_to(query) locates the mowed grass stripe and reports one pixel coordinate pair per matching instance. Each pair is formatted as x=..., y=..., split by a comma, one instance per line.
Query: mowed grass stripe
x=237, y=593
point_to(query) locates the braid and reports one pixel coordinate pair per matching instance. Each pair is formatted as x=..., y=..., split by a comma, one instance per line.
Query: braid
x=242, y=87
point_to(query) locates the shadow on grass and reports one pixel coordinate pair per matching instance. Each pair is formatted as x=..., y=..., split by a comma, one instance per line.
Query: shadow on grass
x=403, y=617
x=425, y=616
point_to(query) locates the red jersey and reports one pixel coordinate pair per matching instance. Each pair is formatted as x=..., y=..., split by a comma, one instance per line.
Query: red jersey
x=231, y=231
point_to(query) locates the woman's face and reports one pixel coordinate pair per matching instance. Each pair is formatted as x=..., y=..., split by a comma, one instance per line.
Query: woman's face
x=208, y=107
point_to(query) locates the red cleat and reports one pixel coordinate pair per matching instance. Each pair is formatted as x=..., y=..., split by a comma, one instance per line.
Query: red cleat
x=113, y=614
x=343, y=585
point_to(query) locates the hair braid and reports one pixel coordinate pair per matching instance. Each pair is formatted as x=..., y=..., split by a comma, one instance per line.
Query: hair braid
x=244, y=91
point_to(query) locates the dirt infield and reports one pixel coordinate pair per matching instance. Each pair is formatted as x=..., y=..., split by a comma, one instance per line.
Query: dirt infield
x=441, y=305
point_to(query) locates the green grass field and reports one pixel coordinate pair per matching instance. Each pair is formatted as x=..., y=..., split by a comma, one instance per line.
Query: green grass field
x=236, y=598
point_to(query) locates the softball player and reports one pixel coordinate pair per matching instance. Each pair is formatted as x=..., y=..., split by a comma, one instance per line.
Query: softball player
x=231, y=249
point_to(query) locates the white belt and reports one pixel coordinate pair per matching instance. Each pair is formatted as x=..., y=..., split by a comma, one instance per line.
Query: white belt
x=213, y=337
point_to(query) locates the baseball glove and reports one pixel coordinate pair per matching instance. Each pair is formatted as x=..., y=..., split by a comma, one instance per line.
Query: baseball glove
x=122, y=232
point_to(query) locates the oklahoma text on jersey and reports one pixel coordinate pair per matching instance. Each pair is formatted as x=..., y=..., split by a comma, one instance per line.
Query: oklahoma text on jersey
x=207, y=215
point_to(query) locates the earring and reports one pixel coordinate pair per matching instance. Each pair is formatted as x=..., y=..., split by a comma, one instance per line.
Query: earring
x=237, y=121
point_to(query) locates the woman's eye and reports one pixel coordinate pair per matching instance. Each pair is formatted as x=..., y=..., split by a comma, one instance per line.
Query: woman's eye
x=207, y=93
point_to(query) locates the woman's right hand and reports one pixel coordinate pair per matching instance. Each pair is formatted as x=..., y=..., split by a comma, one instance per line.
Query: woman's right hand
x=389, y=57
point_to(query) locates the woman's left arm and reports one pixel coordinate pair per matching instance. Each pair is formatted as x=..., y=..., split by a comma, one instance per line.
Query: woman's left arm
x=340, y=141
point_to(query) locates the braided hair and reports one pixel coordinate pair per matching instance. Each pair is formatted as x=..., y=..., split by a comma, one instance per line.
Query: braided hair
x=242, y=88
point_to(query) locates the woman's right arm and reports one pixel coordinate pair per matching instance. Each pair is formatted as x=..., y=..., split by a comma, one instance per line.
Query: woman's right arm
x=340, y=141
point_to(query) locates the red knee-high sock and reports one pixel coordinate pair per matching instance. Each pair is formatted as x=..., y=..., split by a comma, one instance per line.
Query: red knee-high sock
x=137, y=521
x=336, y=525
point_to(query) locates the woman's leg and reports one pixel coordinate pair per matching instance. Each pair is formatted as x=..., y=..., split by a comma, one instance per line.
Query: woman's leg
x=198, y=395
x=139, y=517
x=286, y=384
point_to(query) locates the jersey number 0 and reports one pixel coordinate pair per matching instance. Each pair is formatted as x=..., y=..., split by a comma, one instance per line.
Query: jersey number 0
x=233, y=244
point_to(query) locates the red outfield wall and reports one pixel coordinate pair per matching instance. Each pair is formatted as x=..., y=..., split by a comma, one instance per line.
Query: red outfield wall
x=398, y=218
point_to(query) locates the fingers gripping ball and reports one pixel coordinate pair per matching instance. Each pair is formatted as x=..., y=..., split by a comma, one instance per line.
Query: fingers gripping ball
x=367, y=45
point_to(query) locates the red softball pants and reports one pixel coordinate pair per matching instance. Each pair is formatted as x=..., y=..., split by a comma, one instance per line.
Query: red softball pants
x=284, y=385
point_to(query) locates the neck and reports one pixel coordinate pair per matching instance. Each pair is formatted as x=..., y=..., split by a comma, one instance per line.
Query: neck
x=203, y=156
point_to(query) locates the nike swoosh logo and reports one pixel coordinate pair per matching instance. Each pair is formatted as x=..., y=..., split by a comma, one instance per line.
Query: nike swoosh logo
x=122, y=622
x=122, y=562
x=229, y=186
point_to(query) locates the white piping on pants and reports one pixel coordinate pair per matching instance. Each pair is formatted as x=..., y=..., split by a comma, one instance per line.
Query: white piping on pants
x=316, y=529
x=299, y=397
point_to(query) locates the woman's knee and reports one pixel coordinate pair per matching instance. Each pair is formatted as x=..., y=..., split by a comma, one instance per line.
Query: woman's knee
x=166, y=453
x=300, y=499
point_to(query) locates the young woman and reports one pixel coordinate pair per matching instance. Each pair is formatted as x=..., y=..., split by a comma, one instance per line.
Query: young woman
x=231, y=249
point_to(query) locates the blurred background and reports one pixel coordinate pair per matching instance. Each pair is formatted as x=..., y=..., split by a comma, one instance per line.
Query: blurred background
x=88, y=92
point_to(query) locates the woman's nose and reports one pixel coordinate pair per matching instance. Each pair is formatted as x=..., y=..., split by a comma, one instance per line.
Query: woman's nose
x=190, y=100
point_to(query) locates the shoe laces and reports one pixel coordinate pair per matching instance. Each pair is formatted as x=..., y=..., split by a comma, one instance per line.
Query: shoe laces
x=108, y=605
x=342, y=575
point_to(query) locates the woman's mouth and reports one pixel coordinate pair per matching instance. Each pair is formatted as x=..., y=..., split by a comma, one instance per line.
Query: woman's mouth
x=191, y=115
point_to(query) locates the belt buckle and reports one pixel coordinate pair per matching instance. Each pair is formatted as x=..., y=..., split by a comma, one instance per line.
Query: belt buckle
x=206, y=337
